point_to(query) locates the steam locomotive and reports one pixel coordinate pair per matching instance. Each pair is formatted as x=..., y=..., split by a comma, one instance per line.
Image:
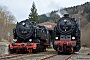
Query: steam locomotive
x=29, y=37
x=67, y=35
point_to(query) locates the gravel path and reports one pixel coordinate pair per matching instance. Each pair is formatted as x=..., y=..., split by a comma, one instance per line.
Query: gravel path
x=4, y=47
x=82, y=55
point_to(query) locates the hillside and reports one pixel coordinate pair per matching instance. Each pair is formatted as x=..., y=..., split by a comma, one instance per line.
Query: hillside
x=52, y=17
x=82, y=11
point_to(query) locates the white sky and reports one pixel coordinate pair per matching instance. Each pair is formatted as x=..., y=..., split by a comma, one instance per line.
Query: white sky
x=21, y=8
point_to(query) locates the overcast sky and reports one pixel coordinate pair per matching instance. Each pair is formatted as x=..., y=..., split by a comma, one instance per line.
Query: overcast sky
x=21, y=8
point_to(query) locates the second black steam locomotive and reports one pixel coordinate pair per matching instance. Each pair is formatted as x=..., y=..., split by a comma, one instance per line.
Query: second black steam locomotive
x=29, y=37
x=67, y=35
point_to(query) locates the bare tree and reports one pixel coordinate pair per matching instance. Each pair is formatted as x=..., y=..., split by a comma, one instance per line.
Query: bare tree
x=6, y=22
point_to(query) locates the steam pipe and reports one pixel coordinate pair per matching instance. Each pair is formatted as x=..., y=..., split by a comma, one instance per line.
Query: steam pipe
x=35, y=31
x=79, y=22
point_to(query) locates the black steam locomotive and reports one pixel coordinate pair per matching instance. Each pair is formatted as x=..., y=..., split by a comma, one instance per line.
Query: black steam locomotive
x=67, y=35
x=29, y=37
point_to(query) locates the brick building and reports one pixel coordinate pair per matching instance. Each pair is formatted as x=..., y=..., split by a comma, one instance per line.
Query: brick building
x=48, y=25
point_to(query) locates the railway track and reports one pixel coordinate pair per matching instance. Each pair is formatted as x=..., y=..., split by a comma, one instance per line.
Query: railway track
x=56, y=57
x=48, y=57
x=68, y=57
x=40, y=56
x=8, y=56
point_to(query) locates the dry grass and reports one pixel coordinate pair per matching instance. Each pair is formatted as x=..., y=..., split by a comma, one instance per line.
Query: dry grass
x=85, y=50
x=85, y=35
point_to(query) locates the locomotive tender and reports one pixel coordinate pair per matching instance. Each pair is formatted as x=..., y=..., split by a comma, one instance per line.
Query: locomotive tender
x=29, y=37
x=67, y=35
